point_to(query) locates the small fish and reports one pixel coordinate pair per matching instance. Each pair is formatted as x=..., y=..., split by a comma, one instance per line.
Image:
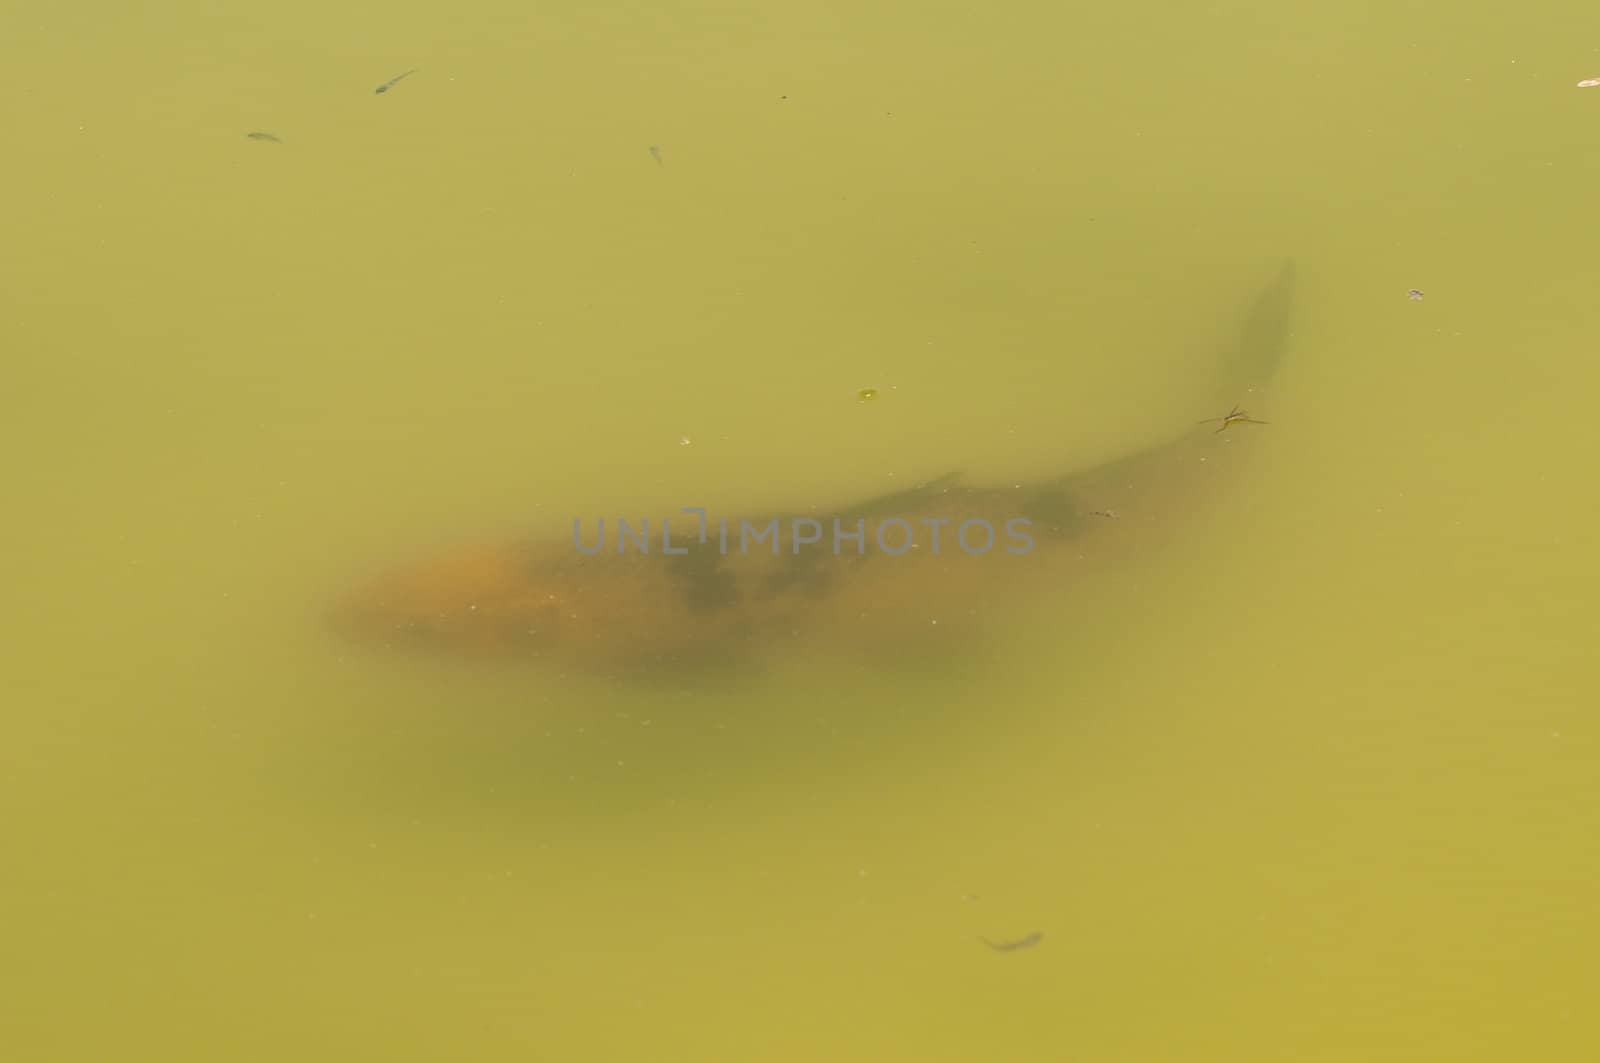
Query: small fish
x=387, y=85
x=1589, y=83
x=264, y=136
x=655, y=153
x=1415, y=295
x=1011, y=946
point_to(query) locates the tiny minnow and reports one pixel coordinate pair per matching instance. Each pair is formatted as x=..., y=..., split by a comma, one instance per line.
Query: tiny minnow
x=387, y=85
x=264, y=136
x=1011, y=946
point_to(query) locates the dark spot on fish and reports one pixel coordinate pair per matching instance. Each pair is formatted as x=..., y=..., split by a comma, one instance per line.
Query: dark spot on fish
x=1053, y=510
x=707, y=583
x=804, y=571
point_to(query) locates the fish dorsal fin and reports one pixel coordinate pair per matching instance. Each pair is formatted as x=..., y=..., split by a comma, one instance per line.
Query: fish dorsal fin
x=896, y=501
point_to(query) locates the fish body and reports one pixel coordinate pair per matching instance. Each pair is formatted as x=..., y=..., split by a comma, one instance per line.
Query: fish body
x=904, y=561
x=938, y=558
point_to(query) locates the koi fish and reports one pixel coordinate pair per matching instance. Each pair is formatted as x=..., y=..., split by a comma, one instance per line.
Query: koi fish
x=934, y=558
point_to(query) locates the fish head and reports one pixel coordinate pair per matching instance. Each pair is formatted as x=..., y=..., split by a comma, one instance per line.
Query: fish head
x=544, y=602
x=481, y=598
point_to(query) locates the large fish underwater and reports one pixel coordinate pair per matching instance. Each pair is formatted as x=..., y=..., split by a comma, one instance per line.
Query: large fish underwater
x=916, y=565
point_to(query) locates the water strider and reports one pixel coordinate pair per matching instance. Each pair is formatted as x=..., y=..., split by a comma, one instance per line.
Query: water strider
x=707, y=601
x=1233, y=416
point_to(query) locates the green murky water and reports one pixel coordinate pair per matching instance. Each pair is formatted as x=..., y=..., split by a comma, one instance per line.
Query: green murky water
x=1308, y=768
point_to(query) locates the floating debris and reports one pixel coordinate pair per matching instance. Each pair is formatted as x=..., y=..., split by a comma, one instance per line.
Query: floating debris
x=867, y=394
x=387, y=85
x=1415, y=295
x=264, y=136
x=1011, y=946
